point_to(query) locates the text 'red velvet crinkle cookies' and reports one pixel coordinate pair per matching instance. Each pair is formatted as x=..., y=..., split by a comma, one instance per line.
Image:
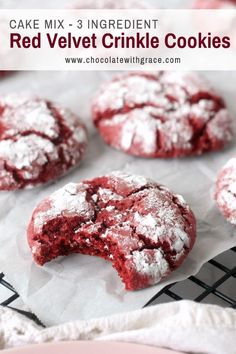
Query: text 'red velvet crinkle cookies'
x=225, y=193
x=166, y=114
x=141, y=227
x=39, y=141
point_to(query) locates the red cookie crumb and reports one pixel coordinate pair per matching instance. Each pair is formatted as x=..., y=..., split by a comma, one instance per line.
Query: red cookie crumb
x=145, y=230
x=166, y=114
x=225, y=193
x=39, y=141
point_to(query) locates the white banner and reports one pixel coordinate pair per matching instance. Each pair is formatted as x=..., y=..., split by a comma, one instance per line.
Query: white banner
x=118, y=39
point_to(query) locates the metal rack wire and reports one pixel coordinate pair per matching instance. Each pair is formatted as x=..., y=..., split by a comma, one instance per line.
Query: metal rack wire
x=202, y=290
x=205, y=292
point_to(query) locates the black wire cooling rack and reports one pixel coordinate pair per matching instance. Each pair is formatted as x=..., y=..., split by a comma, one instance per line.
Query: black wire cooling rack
x=215, y=284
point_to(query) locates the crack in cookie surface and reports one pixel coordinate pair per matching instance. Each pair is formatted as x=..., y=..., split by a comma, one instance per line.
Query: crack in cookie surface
x=39, y=141
x=167, y=114
x=225, y=191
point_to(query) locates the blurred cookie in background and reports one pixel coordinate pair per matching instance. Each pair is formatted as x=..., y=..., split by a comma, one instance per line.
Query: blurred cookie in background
x=39, y=141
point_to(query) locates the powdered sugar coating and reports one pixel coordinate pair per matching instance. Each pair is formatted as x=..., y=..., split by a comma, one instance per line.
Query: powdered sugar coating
x=225, y=194
x=165, y=114
x=67, y=201
x=154, y=266
x=141, y=226
x=39, y=141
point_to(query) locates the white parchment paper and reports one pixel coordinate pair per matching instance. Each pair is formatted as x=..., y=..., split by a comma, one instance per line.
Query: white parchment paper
x=83, y=287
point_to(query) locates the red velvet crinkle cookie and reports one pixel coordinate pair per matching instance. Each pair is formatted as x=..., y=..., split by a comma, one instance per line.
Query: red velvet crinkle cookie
x=166, y=114
x=39, y=141
x=145, y=230
x=225, y=194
